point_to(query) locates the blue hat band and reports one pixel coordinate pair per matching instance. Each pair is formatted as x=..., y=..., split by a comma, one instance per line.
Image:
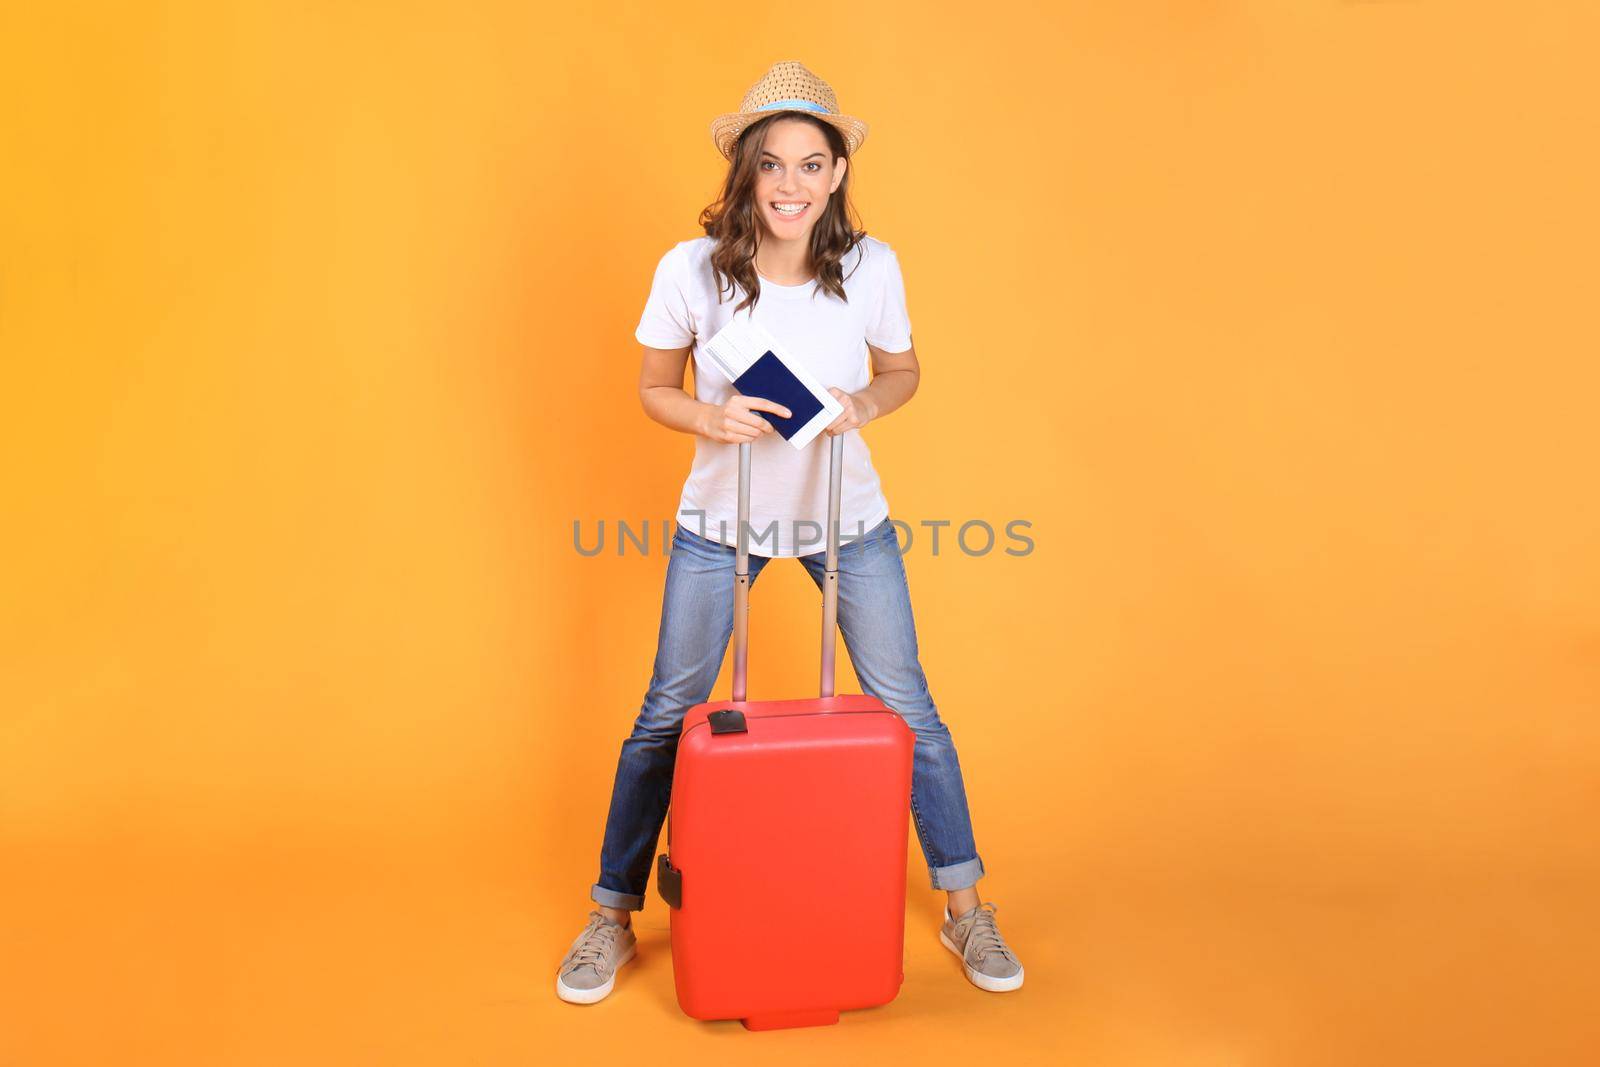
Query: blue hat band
x=795, y=105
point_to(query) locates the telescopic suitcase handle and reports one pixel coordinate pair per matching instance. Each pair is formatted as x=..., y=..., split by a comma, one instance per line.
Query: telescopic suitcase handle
x=741, y=572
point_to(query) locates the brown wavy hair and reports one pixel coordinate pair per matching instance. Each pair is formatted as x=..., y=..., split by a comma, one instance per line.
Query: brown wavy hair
x=733, y=220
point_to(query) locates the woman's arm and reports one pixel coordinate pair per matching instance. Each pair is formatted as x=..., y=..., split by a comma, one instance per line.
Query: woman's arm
x=661, y=390
x=895, y=376
x=664, y=398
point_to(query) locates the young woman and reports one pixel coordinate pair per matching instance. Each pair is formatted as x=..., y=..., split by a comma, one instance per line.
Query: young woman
x=780, y=241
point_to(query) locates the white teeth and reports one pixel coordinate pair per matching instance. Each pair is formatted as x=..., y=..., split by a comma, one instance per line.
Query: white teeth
x=793, y=209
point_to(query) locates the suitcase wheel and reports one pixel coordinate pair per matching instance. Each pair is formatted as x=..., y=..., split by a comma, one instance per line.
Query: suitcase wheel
x=783, y=1020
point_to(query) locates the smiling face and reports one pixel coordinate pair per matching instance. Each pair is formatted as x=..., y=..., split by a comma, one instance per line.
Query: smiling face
x=795, y=176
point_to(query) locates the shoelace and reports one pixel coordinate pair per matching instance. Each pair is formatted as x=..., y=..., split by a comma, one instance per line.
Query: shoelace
x=984, y=936
x=593, y=945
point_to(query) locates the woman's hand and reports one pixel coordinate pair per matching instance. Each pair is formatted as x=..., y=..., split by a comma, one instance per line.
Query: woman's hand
x=736, y=422
x=859, y=410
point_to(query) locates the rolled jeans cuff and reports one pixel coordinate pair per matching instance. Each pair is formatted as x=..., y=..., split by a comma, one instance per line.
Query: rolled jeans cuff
x=613, y=899
x=957, y=875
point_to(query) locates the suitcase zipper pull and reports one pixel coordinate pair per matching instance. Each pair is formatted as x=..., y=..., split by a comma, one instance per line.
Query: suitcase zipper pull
x=727, y=721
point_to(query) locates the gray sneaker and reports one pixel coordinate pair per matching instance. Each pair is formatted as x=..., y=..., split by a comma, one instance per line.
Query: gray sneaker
x=590, y=968
x=989, y=963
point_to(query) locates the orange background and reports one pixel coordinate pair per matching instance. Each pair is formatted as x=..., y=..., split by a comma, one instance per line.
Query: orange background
x=1276, y=320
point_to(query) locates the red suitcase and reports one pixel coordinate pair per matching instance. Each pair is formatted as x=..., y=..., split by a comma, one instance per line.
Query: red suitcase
x=786, y=836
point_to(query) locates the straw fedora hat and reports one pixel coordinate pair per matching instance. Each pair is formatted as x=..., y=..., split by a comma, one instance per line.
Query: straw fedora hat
x=788, y=86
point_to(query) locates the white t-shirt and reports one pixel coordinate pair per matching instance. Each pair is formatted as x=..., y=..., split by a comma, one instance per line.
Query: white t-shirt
x=788, y=488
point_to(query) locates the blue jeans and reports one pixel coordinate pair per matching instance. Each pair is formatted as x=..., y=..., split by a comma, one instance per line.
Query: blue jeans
x=696, y=624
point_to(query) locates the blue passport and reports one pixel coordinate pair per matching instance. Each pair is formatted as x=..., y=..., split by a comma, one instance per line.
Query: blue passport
x=769, y=379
